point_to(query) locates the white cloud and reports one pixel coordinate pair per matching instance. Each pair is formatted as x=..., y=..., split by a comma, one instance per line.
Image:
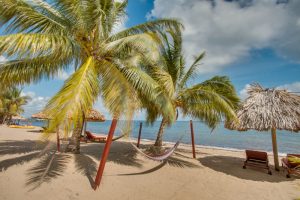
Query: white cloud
x=291, y=87
x=36, y=104
x=227, y=31
x=62, y=75
x=2, y=59
x=243, y=93
x=120, y=26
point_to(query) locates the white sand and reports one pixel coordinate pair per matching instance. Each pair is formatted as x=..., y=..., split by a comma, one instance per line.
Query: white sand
x=215, y=174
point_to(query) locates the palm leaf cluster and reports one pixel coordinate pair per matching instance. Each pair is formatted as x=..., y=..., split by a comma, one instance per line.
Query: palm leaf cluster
x=45, y=37
x=11, y=103
x=210, y=101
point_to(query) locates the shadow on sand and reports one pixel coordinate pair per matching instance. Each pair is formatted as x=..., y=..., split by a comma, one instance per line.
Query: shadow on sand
x=27, y=149
x=233, y=166
x=52, y=164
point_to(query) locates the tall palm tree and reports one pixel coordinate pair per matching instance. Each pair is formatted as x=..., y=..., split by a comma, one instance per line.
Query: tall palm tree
x=210, y=101
x=12, y=101
x=50, y=36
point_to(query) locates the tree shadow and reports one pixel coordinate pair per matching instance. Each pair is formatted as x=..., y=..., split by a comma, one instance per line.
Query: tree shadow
x=120, y=152
x=86, y=166
x=172, y=161
x=19, y=147
x=234, y=166
x=146, y=171
x=177, y=162
x=5, y=164
x=28, y=149
x=51, y=165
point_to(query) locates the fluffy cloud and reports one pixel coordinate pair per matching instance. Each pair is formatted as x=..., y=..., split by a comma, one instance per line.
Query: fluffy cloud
x=36, y=104
x=2, y=59
x=292, y=87
x=228, y=30
x=62, y=75
x=243, y=93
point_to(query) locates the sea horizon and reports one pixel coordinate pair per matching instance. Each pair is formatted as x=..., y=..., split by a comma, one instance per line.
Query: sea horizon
x=220, y=137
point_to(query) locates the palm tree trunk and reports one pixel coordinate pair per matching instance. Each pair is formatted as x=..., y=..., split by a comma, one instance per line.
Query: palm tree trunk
x=158, y=142
x=4, y=118
x=77, y=136
x=74, y=144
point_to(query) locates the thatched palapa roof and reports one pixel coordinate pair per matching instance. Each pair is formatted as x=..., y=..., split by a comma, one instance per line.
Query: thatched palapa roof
x=40, y=115
x=268, y=108
x=18, y=117
x=92, y=115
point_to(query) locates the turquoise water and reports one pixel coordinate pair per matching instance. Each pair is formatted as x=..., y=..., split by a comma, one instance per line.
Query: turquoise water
x=288, y=142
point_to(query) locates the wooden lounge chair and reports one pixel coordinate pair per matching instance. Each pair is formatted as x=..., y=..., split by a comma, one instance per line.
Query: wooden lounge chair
x=94, y=138
x=257, y=159
x=291, y=168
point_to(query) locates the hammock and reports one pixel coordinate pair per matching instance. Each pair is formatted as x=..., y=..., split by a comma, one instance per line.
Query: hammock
x=160, y=157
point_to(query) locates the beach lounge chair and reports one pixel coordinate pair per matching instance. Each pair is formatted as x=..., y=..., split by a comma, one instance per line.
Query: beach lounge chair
x=94, y=138
x=257, y=159
x=290, y=167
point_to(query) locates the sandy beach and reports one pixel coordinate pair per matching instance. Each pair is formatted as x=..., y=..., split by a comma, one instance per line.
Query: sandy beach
x=28, y=171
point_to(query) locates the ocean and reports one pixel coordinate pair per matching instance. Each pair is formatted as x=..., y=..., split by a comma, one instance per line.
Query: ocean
x=288, y=142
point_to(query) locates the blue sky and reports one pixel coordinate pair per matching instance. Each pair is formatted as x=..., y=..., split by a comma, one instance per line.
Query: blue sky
x=258, y=42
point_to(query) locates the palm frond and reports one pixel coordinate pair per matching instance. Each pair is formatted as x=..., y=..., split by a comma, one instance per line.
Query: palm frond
x=19, y=72
x=21, y=15
x=76, y=96
x=205, y=103
x=150, y=26
x=36, y=44
x=191, y=71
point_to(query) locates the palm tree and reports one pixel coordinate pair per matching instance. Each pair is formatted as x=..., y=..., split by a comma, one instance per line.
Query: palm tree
x=50, y=37
x=12, y=101
x=210, y=101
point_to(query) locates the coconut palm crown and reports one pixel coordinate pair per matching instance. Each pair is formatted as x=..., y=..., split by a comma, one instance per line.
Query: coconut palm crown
x=11, y=103
x=45, y=37
x=210, y=101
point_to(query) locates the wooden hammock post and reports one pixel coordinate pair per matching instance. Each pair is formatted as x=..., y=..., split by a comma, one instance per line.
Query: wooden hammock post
x=140, y=133
x=193, y=140
x=105, y=153
x=57, y=139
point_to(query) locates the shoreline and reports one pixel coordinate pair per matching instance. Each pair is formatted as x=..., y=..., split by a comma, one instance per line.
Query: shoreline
x=188, y=145
x=214, y=174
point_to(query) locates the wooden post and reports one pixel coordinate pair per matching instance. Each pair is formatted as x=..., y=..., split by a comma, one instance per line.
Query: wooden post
x=193, y=140
x=57, y=139
x=275, y=150
x=105, y=153
x=140, y=133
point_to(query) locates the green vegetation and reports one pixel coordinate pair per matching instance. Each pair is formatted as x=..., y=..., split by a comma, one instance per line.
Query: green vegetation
x=211, y=101
x=11, y=102
x=43, y=39
x=140, y=67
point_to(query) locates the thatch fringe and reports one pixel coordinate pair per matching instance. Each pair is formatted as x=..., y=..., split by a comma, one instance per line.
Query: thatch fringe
x=268, y=108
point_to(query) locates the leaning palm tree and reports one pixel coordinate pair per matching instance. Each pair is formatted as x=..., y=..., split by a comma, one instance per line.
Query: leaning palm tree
x=50, y=36
x=12, y=103
x=210, y=101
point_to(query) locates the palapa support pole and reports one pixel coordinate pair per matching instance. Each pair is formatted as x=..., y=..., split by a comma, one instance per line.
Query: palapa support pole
x=140, y=133
x=57, y=139
x=275, y=150
x=193, y=140
x=105, y=153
